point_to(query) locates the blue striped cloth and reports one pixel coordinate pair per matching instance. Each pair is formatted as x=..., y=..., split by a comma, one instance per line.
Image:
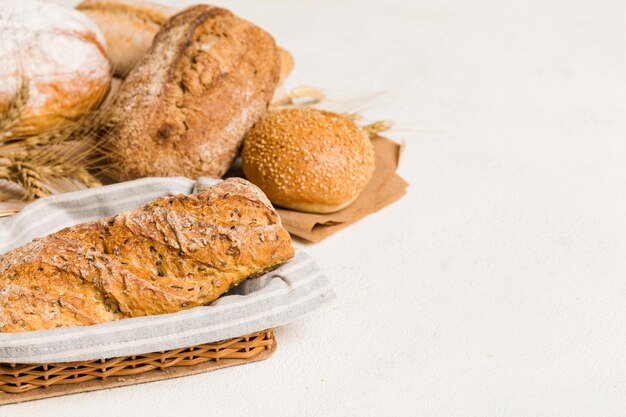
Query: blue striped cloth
x=296, y=288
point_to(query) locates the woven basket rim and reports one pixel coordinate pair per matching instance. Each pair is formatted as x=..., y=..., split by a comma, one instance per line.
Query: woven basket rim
x=17, y=380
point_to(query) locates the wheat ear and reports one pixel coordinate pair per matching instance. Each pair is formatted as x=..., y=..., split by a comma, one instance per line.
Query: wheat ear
x=14, y=111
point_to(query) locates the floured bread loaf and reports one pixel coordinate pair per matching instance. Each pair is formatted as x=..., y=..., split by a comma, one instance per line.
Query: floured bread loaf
x=60, y=53
x=186, y=106
x=174, y=253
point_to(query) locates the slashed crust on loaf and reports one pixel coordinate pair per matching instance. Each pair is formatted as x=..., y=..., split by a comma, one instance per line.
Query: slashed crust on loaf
x=174, y=253
x=186, y=106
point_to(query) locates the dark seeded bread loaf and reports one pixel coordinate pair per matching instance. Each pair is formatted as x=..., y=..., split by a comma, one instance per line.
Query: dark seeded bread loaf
x=186, y=106
x=174, y=253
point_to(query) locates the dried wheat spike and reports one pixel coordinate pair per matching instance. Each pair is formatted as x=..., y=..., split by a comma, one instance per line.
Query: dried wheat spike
x=14, y=111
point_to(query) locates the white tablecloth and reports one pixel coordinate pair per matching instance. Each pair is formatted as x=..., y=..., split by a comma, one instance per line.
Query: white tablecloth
x=495, y=287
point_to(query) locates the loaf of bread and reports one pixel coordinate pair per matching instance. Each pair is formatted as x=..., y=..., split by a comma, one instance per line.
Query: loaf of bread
x=129, y=28
x=286, y=63
x=172, y=254
x=186, y=106
x=61, y=56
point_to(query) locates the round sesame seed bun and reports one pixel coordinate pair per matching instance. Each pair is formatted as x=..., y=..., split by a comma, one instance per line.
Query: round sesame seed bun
x=308, y=160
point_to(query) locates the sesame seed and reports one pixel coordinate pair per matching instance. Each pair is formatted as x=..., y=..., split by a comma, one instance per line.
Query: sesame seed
x=308, y=155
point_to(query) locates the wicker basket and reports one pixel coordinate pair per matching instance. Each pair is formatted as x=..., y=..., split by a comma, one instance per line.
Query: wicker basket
x=29, y=382
x=26, y=382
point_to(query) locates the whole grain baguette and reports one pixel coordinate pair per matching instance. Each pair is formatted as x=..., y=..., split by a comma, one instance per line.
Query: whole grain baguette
x=172, y=254
x=186, y=106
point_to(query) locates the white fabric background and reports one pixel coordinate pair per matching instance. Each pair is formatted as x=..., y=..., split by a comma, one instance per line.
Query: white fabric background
x=496, y=286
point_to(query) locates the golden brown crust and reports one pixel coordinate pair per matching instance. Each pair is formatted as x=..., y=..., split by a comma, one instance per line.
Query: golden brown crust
x=308, y=160
x=286, y=64
x=174, y=253
x=185, y=107
x=63, y=106
x=129, y=28
x=147, y=11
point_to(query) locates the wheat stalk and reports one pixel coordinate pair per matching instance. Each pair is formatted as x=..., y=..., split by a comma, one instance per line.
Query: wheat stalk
x=34, y=161
x=34, y=169
x=14, y=111
x=373, y=129
x=310, y=96
x=26, y=175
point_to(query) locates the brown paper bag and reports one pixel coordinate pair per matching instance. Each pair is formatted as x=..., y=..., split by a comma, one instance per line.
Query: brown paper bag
x=384, y=188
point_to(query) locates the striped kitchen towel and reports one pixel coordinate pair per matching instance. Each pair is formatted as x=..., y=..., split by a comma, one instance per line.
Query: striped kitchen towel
x=291, y=291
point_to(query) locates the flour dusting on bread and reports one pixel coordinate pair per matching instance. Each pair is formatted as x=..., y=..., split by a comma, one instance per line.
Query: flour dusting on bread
x=60, y=53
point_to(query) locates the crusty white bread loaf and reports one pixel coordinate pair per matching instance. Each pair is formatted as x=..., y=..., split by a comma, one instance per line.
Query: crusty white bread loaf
x=61, y=54
x=186, y=106
x=172, y=254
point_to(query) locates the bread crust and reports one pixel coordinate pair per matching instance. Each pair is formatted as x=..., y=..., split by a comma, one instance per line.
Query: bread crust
x=286, y=64
x=61, y=54
x=129, y=28
x=186, y=106
x=308, y=160
x=144, y=10
x=172, y=254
